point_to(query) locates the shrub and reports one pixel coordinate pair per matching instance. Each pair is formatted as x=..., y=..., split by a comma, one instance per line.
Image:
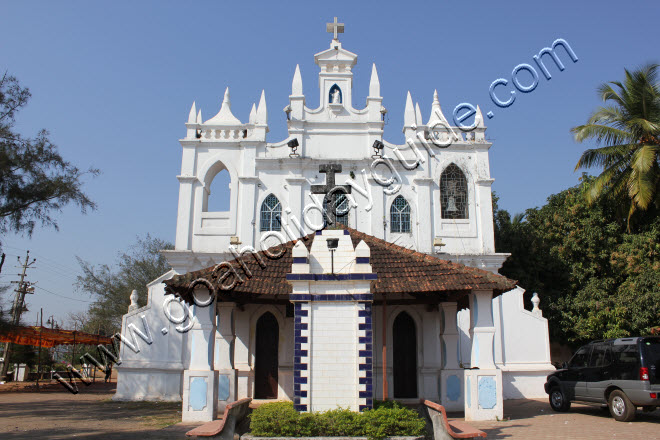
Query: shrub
x=279, y=419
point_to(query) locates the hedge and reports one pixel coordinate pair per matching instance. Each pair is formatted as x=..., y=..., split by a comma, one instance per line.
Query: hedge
x=280, y=419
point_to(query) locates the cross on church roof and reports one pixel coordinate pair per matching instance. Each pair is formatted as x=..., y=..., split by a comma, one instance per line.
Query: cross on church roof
x=330, y=189
x=335, y=28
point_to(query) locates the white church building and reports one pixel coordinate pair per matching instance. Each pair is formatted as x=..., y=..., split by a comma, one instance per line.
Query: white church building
x=346, y=269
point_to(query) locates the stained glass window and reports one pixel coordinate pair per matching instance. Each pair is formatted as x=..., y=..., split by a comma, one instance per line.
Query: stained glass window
x=271, y=212
x=400, y=215
x=453, y=193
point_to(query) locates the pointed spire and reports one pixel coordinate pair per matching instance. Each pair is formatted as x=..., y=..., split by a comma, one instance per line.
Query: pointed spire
x=199, y=116
x=262, y=112
x=479, y=119
x=225, y=115
x=436, y=118
x=253, y=114
x=409, y=112
x=418, y=115
x=374, y=83
x=191, y=115
x=296, y=84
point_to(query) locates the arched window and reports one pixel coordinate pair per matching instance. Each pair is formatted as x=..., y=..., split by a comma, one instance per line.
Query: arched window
x=453, y=193
x=335, y=96
x=400, y=215
x=271, y=212
x=217, y=193
x=342, y=209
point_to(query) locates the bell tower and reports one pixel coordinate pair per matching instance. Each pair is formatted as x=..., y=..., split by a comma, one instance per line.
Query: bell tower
x=336, y=77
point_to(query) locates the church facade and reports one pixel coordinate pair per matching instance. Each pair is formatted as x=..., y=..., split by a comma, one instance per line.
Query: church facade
x=337, y=275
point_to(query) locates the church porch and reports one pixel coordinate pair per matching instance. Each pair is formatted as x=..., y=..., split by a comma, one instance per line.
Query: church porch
x=267, y=347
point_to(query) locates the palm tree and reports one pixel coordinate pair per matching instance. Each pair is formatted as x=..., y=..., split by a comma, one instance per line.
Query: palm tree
x=629, y=130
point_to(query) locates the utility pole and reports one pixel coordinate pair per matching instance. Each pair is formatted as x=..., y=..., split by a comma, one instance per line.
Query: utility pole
x=17, y=307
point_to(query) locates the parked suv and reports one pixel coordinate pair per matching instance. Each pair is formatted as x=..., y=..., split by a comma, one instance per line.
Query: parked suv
x=622, y=373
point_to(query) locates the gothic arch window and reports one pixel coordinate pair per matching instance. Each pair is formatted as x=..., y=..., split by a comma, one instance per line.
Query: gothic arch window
x=271, y=213
x=343, y=207
x=335, y=96
x=453, y=193
x=400, y=215
x=217, y=191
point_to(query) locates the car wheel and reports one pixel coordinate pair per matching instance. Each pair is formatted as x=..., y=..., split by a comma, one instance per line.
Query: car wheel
x=558, y=400
x=621, y=408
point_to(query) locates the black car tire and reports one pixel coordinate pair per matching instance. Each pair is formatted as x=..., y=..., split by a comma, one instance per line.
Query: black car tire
x=621, y=408
x=558, y=400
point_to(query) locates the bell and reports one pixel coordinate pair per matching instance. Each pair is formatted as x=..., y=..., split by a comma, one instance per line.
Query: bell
x=451, y=205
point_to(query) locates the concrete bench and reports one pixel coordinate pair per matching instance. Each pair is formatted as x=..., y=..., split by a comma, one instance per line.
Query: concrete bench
x=224, y=428
x=444, y=429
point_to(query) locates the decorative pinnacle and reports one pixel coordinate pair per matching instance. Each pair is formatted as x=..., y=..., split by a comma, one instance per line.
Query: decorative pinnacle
x=409, y=112
x=296, y=84
x=374, y=83
x=191, y=115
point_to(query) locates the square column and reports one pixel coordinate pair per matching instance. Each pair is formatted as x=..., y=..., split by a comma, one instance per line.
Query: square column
x=333, y=351
x=483, y=383
x=200, y=381
x=451, y=378
x=224, y=356
x=430, y=371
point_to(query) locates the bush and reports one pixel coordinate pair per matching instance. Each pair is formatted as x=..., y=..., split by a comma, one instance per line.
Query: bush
x=279, y=419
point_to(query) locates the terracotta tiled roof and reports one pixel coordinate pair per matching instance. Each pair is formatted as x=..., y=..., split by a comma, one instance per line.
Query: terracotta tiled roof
x=399, y=270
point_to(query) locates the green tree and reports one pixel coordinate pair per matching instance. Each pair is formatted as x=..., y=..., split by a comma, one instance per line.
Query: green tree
x=36, y=181
x=595, y=279
x=112, y=287
x=629, y=131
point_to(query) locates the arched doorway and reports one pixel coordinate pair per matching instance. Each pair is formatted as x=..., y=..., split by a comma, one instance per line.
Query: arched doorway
x=404, y=356
x=265, y=368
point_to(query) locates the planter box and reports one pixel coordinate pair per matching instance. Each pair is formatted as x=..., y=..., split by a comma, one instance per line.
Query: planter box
x=250, y=437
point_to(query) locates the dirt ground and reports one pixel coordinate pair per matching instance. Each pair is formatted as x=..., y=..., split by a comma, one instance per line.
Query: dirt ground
x=56, y=414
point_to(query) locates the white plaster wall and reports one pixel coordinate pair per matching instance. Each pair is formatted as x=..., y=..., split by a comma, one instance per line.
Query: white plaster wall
x=524, y=337
x=154, y=372
x=521, y=345
x=333, y=356
x=342, y=135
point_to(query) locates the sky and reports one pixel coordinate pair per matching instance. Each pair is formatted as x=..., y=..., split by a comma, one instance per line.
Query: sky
x=113, y=82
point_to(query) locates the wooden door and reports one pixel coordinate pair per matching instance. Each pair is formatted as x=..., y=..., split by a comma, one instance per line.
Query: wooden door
x=404, y=356
x=265, y=369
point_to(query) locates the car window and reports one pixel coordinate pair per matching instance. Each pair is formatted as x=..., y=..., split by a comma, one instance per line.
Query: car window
x=651, y=355
x=601, y=356
x=580, y=358
x=626, y=360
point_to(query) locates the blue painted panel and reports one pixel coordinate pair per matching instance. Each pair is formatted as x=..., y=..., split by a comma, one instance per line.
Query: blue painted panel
x=468, y=392
x=197, y=395
x=444, y=353
x=223, y=387
x=453, y=388
x=487, y=393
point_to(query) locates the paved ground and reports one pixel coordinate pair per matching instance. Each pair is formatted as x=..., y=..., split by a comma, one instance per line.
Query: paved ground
x=56, y=414
x=533, y=419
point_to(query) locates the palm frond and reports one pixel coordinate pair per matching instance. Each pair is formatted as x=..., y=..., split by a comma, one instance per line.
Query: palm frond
x=604, y=156
x=601, y=133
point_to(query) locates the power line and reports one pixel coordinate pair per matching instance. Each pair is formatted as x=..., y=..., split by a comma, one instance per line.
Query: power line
x=52, y=262
x=62, y=296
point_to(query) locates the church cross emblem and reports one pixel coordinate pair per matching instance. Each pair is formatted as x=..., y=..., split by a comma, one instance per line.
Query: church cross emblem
x=335, y=28
x=330, y=189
